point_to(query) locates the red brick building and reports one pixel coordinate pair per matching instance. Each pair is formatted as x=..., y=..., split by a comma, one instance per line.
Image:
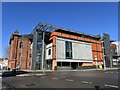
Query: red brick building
x=49, y=46
x=20, y=52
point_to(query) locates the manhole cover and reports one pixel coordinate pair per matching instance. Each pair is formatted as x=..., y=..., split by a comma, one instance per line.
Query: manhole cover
x=32, y=84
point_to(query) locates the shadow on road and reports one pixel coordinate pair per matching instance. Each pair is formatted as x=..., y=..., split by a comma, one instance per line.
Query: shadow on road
x=98, y=88
x=12, y=73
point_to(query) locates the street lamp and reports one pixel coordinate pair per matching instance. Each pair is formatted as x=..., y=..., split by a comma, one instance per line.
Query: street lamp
x=96, y=62
x=104, y=62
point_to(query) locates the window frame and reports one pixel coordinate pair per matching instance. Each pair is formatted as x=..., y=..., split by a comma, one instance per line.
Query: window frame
x=68, y=50
x=49, y=51
x=21, y=45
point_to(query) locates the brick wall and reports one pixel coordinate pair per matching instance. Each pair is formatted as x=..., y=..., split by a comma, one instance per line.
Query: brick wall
x=15, y=51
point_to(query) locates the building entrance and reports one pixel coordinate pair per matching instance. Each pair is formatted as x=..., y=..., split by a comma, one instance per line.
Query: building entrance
x=49, y=64
x=74, y=65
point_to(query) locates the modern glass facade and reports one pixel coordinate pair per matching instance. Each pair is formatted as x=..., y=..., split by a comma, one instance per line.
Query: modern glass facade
x=37, y=50
x=68, y=50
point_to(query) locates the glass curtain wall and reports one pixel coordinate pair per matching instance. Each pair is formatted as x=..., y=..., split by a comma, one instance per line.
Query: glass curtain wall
x=37, y=50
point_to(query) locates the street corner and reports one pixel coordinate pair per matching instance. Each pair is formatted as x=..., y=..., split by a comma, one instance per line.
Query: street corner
x=31, y=74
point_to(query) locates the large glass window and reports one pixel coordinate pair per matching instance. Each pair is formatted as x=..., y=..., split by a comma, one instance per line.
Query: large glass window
x=68, y=50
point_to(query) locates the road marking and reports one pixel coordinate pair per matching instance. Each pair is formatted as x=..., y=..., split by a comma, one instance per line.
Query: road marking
x=55, y=78
x=64, y=73
x=23, y=75
x=39, y=74
x=111, y=72
x=69, y=80
x=111, y=86
x=42, y=77
x=86, y=82
x=106, y=72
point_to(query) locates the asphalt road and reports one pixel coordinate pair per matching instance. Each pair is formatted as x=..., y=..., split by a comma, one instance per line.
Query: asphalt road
x=64, y=79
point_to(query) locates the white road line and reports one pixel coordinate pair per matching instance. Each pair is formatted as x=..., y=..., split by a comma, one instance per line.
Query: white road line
x=64, y=73
x=86, y=82
x=111, y=86
x=54, y=78
x=69, y=80
x=42, y=77
x=106, y=72
x=23, y=75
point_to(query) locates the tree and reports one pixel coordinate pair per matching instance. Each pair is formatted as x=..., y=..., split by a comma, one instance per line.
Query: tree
x=6, y=51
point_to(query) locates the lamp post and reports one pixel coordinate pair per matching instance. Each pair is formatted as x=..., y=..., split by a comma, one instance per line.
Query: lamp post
x=96, y=62
x=111, y=61
x=104, y=62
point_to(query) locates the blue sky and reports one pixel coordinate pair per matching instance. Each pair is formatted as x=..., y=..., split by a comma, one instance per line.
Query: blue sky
x=88, y=17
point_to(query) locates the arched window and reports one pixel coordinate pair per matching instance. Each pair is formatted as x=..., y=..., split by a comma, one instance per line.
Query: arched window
x=21, y=44
x=31, y=45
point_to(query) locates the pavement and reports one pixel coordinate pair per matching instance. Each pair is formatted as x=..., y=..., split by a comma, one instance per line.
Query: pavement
x=31, y=74
x=6, y=73
x=67, y=79
x=61, y=70
x=32, y=71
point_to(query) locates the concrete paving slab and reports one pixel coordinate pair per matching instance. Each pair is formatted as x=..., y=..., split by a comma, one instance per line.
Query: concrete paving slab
x=27, y=75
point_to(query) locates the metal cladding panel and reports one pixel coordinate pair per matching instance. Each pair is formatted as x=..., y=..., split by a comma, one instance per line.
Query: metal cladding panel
x=34, y=50
x=82, y=51
x=60, y=49
x=108, y=50
x=88, y=51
